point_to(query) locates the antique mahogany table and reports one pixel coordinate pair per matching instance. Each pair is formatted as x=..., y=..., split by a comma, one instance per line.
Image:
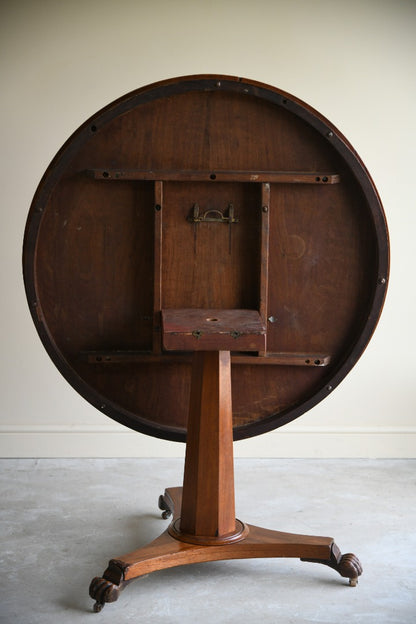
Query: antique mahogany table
x=205, y=259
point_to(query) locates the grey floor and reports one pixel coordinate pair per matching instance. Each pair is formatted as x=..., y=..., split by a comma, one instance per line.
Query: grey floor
x=62, y=520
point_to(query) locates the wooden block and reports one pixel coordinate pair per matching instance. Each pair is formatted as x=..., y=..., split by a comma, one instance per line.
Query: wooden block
x=213, y=330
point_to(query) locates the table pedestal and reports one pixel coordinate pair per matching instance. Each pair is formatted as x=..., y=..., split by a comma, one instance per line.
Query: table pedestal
x=203, y=526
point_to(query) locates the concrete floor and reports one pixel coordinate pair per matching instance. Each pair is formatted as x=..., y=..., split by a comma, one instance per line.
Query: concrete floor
x=62, y=520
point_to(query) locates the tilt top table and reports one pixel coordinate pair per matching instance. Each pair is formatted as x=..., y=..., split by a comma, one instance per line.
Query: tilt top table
x=205, y=260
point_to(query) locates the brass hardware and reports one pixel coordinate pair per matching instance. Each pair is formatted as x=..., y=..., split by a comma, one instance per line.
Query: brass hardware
x=213, y=216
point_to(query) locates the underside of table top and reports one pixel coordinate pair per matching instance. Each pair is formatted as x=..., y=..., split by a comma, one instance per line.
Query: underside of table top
x=205, y=193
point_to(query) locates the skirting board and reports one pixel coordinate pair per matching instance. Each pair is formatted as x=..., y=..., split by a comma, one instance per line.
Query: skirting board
x=291, y=441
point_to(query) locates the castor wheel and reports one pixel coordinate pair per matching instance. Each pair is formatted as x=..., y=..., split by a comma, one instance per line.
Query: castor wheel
x=98, y=606
x=166, y=511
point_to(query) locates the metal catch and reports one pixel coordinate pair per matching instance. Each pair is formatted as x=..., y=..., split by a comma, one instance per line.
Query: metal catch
x=213, y=216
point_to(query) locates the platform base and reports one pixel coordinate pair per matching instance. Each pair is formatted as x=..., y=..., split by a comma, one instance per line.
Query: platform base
x=170, y=549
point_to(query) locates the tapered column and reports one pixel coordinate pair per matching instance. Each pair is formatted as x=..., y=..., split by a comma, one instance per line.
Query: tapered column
x=208, y=507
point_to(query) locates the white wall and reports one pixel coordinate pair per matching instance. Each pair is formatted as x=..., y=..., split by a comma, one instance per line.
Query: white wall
x=352, y=60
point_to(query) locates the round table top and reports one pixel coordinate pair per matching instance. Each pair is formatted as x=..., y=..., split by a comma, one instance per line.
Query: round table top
x=207, y=193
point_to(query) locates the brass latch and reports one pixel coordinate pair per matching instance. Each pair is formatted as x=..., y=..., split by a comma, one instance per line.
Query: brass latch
x=213, y=216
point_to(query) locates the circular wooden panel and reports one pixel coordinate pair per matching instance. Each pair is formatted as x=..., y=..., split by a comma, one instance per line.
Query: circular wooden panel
x=205, y=192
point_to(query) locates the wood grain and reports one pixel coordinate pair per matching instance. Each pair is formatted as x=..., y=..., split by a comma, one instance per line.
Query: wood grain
x=208, y=507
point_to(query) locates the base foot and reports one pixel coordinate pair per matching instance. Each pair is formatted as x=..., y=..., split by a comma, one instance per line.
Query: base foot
x=170, y=502
x=347, y=565
x=164, y=507
x=108, y=587
x=102, y=591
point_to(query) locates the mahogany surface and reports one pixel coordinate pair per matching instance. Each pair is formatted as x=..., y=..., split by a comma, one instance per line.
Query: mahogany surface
x=123, y=226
